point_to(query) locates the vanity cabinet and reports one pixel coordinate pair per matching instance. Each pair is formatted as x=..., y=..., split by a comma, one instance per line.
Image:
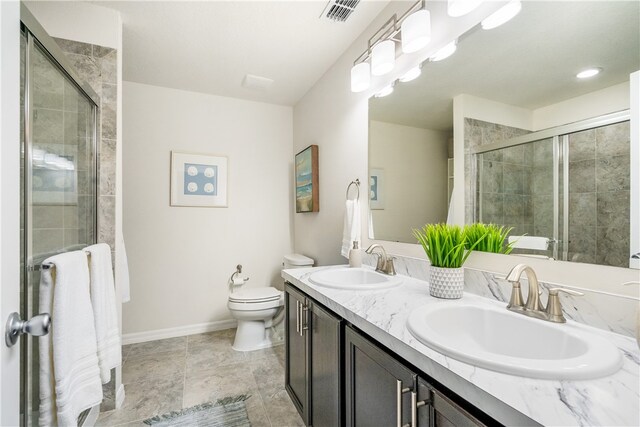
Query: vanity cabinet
x=382, y=391
x=377, y=386
x=337, y=376
x=313, y=360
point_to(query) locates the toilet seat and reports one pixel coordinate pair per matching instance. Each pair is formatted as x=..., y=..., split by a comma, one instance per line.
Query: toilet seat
x=255, y=295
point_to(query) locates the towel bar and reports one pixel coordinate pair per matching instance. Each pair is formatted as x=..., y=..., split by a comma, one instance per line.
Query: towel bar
x=48, y=265
x=357, y=184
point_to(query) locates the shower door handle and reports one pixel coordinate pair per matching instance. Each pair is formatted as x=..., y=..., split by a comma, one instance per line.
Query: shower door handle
x=37, y=326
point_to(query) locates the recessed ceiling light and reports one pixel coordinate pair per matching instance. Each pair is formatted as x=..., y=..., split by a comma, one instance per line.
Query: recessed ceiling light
x=387, y=90
x=590, y=72
x=502, y=15
x=412, y=74
x=445, y=52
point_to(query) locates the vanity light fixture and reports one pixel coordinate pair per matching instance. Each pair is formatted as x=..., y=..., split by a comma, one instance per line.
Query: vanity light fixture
x=457, y=8
x=387, y=90
x=445, y=51
x=412, y=30
x=412, y=74
x=360, y=77
x=502, y=15
x=416, y=31
x=383, y=57
x=589, y=72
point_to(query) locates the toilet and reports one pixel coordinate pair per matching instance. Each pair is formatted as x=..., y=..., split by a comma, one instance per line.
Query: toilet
x=258, y=309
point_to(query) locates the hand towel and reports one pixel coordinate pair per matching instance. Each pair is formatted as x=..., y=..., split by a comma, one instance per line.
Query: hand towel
x=105, y=312
x=122, y=270
x=530, y=242
x=69, y=372
x=351, y=231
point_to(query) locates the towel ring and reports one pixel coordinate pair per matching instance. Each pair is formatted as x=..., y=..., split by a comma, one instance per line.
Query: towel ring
x=357, y=184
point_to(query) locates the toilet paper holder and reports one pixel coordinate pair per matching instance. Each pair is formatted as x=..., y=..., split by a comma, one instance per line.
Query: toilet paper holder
x=235, y=278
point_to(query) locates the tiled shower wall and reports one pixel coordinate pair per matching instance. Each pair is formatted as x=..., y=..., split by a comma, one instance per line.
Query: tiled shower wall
x=97, y=66
x=599, y=191
x=507, y=177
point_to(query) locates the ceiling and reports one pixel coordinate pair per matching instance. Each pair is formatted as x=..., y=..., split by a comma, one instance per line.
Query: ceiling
x=529, y=62
x=209, y=46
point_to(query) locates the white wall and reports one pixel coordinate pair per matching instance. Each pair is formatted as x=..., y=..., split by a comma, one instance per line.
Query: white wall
x=635, y=168
x=180, y=258
x=336, y=119
x=594, y=104
x=9, y=204
x=415, y=168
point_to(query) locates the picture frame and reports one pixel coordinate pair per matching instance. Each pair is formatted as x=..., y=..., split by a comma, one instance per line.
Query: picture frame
x=376, y=189
x=199, y=180
x=306, y=180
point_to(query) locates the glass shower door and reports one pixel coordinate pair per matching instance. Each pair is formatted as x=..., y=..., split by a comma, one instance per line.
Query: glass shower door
x=58, y=209
x=517, y=189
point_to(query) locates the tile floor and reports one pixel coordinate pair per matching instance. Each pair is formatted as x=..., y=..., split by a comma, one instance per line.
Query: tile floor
x=167, y=375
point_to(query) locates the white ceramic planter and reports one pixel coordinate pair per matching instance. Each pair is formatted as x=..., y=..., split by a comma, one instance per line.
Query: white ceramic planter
x=446, y=283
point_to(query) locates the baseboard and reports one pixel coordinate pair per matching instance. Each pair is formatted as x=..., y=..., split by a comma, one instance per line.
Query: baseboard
x=180, y=331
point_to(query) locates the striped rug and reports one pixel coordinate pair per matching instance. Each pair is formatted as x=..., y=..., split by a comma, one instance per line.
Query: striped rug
x=227, y=412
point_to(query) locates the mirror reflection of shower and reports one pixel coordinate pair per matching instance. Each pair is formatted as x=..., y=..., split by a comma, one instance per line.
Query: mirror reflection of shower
x=571, y=190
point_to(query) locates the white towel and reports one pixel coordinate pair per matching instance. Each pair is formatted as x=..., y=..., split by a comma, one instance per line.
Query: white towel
x=69, y=372
x=351, y=230
x=530, y=242
x=122, y=268
x=105, y=312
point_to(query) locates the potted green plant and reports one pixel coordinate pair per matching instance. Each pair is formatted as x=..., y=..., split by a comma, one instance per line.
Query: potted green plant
x=445, y=246
x=488, y=238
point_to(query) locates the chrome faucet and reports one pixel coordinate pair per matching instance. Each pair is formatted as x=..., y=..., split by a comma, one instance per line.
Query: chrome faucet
x=385, y=263
x=533, y=306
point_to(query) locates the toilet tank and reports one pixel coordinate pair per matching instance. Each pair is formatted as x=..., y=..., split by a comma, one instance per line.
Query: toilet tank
x=296, y=261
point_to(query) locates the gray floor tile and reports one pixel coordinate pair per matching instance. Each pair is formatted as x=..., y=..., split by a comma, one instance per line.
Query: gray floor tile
x=281, y=411
x=145, y=399
x=212, y=385
x=156, y=365
x=159, y=346
x=166, y=375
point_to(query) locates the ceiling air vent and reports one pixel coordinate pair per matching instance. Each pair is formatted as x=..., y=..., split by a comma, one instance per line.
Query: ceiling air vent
x=339, y=10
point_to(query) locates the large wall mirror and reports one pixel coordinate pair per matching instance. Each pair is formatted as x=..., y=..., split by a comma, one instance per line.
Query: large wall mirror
x=545, y=152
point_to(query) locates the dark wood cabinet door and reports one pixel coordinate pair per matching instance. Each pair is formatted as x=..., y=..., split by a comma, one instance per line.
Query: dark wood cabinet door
x=326, y=367
x=297, y=350
x=447, y=413
x=374, y=385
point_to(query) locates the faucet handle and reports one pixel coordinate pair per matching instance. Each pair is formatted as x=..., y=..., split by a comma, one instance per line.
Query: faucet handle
x=516, y=302
x=554, y=308
x=390, y=268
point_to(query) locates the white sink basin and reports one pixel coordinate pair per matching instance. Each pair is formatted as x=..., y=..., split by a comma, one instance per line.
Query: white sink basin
x=354, y=278
x=491, y=337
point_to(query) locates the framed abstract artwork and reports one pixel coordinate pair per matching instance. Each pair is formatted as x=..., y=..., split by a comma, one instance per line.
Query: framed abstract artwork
x=307, y=190
x=198, y=180
x=376, y=188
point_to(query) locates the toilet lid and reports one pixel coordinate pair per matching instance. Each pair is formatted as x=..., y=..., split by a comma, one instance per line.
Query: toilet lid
x=255, y=295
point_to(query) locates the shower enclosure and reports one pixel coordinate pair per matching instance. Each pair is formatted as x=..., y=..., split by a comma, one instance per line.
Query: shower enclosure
x=59, y=123
x=568, y=184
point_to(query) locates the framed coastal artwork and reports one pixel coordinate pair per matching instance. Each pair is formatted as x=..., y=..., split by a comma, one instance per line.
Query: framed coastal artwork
x=198, y=180
x=307, y=190
x=376, y=189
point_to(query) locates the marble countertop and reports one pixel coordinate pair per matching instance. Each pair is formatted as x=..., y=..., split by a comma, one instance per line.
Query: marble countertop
x=511, y=400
